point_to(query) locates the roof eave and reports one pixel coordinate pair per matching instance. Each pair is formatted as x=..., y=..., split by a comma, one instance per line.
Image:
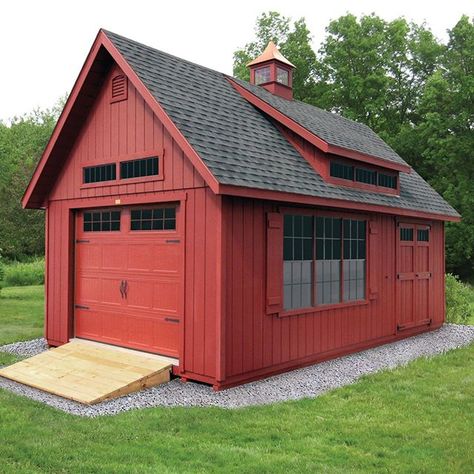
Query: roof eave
x=304, y=199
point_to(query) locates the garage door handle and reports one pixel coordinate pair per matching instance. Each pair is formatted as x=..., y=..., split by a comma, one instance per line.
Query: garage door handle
x=123, y=288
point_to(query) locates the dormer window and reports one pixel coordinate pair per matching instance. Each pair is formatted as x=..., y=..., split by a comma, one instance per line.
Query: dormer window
x=378, y=179
x=262, y=75
x=283, y=76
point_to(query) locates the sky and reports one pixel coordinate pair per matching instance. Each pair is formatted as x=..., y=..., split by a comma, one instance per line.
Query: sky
x=43, y=44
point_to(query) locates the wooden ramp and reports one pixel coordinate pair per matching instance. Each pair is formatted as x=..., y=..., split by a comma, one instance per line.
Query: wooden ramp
x=89, y=372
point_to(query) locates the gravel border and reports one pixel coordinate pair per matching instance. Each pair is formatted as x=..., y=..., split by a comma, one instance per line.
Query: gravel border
x=26, y=348
x=307, y=382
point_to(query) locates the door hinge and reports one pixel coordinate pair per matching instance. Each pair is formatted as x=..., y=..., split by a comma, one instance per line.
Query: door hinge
x=82, y=241
x=172, y=320
x=173, y=241
x=80, y=306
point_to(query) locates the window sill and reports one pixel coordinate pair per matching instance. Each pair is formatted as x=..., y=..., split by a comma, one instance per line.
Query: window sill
x=318, y=309
x=122, y=182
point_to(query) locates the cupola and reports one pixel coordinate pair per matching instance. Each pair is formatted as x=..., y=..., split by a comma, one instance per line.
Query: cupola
x=273, y=71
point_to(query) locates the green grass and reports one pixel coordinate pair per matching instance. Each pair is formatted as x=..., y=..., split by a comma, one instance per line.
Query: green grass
x=418, y=418
x=21, y=313
x=414, y=419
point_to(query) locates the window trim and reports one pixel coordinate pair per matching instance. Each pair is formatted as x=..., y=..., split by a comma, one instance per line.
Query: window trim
x=342, y=304
x=129, y=157
x=360, y=185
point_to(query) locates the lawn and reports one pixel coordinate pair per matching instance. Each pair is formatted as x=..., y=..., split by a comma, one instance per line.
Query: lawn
x=419, y=418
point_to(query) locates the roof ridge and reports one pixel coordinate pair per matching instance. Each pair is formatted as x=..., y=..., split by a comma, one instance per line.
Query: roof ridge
x=169, y=55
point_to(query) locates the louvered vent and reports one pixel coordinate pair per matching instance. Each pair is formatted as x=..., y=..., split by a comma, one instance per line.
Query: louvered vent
x=119, y=88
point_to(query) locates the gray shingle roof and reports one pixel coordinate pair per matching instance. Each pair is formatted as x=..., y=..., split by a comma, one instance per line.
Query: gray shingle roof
x=332, y=128
x=242, y=147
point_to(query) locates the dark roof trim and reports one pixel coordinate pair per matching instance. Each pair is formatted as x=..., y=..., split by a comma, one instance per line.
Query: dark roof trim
x=330, y=202
x=31, y=200
x=311, y=137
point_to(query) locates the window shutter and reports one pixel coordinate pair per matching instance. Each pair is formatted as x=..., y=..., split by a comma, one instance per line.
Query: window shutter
x=274, y=295
x=373, y=259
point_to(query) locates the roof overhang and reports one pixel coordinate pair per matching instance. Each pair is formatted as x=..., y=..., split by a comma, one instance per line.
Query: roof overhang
x=294, y=198
x=311, y=137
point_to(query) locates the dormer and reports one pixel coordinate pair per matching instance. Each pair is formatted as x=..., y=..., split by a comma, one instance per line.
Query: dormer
x=272, y=71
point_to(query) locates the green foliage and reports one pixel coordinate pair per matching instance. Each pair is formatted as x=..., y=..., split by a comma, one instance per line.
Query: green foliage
x=25, y=273
x=21, y=145
x=396, y=77
x=458, y=300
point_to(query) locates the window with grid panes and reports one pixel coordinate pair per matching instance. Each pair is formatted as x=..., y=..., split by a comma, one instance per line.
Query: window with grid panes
x=161, y=218
x=101, y=221
x=324, y=260
x=354, y=259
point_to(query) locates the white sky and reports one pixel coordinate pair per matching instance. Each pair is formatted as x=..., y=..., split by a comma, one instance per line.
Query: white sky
x=43, y=44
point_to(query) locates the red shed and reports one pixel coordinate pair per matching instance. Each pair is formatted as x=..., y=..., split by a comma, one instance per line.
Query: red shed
x=220, y=222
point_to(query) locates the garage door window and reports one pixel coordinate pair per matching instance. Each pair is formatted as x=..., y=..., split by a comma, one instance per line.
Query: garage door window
x=162, y=218
x=102, y=221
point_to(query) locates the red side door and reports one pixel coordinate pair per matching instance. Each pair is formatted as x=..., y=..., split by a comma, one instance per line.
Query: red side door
x=129, y=277
x=414, y=276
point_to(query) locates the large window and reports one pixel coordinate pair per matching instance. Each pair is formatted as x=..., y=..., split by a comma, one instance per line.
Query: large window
x=324, y=260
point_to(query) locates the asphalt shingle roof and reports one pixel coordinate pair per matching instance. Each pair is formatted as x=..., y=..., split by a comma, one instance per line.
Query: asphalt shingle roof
x=242, y=147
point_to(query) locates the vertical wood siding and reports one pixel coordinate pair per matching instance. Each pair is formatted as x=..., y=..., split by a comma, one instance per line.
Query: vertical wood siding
x=256, y=341
x=117, y=131
x=111, y=133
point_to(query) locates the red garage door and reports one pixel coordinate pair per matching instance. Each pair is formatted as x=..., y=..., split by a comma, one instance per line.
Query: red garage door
x=129, y=277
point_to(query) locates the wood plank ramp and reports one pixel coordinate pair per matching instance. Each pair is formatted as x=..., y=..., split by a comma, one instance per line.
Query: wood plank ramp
x=89, y=373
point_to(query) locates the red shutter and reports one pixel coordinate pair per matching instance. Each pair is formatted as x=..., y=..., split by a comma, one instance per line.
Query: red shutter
x=372, y=262
x=274, y=263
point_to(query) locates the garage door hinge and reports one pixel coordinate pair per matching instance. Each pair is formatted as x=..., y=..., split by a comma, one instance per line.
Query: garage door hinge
x=80, y=306
x=173, y=241
x=172, y=320
x=82, y=241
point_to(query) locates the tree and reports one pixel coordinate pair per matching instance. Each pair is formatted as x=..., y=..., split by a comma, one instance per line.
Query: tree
x=294, y=42
x=446, y=139
x=21, y=145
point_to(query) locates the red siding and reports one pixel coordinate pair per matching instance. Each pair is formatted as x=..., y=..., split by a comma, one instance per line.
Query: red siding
x=111, y=133
x=257, y=343
x=117, y=131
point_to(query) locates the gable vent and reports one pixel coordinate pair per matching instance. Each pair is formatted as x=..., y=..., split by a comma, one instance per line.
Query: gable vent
x=119, y=88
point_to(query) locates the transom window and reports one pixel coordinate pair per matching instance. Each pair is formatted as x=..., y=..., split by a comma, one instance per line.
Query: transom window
x=423, y=235
x=362, y=175
x=406, y=234
x=138, y=168
x=262, y=75
x=161, y=218
x=324, y=260
x=282, y=76
x=95, y=174
x=101, y=221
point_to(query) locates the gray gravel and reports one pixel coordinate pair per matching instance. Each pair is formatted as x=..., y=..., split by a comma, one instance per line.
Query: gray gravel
x=27, y=348
x=302, y=383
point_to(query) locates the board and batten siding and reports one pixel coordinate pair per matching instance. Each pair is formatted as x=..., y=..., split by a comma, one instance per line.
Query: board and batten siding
x=258, y=343
x=119, y=131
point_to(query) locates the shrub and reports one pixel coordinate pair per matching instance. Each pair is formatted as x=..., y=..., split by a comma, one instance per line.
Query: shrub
x=458, y=297
x=2, y=275
x=24, y=273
